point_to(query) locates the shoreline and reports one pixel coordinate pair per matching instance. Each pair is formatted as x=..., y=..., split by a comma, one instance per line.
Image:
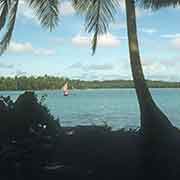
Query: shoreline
x=86, y=89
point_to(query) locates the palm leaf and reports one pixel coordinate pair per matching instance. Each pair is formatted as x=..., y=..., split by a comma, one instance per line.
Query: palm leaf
x=98, y=15
x=4, y=9
x=157, y=4
x=10, y=26
x=47, y=12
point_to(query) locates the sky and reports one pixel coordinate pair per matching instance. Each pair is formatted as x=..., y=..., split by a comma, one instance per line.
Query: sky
x=67, y=50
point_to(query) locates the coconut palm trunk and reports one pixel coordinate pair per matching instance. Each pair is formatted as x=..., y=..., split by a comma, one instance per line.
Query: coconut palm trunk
x=153, y=120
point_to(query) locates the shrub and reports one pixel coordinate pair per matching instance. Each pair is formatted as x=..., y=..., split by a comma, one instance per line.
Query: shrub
x=26, y=116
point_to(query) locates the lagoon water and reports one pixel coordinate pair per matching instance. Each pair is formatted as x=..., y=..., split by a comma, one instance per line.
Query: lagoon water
x=117, y=107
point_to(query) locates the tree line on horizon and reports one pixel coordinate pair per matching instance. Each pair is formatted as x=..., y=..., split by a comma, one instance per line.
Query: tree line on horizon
x=52, y=83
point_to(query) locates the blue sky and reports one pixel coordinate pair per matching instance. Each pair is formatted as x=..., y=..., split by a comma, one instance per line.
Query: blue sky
x=66, y=51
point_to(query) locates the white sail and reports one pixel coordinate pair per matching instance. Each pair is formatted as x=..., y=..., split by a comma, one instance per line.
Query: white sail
x=65, y=89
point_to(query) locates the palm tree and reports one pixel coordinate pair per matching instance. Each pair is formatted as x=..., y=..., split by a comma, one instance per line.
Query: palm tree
x=155, y=5
x=47, y=12
x=98, y=15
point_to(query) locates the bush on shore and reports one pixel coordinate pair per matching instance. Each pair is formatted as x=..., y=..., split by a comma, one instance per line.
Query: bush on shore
x=25, y=117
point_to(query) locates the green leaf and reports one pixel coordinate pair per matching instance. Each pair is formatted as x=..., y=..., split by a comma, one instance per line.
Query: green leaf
x=4, y=9
x=10, y=26
x=154, y=4
x=98, y=15
x=47, y=12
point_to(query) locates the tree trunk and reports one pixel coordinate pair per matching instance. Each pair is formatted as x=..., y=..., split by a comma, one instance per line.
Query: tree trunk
x=153, y=120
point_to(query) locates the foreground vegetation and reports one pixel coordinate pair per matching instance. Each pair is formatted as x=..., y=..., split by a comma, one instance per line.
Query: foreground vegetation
x=33, y=145
x=32, y=139
x=51, y=82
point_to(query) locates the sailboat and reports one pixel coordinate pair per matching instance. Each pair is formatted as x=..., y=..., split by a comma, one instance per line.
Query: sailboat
x=65, y=89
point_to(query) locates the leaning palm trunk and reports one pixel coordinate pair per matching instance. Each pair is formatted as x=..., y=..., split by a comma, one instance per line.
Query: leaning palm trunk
x=153, y=120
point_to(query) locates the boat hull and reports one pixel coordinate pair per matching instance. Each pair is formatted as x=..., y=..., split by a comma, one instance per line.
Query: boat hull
x=66, y=94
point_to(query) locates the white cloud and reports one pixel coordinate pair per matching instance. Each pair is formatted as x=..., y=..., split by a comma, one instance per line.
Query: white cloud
x=66, y=8
x=119, y=25
x=20, y=47
x=100, y=67
x=153, y=67
x=149, y=30
x=123, y=25
x=20, y=73
x=46, y=52
x=122, y=5
x=106, y=40
x=157, y=68
x=170, y=36
x=173, y=39
x=92, y=67
x=57, y=40
x=176, y=43
x=81, y=40
x=27, y=47
x=6, y=66
x=139, y=12
x=25, y=11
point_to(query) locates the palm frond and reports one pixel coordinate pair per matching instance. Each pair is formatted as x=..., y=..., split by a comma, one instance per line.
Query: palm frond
x=98, y=15
x=47, y=12
x=157, y=4
x=4, y=9
x=10, y=26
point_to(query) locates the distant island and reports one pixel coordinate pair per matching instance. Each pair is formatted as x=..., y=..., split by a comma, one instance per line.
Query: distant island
x=51, y=83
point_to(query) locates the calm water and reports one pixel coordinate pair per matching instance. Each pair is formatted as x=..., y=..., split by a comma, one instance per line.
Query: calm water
x=118, y=107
